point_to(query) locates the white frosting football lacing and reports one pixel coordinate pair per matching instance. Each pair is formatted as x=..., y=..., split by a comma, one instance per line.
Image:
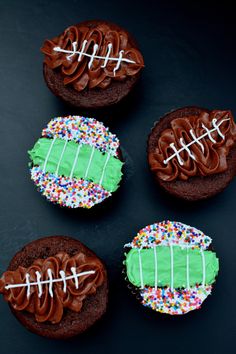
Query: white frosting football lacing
x=38, y=277
x=93, y=56
x=195, y=140
x=50, y=278
x=109, y=48
x=49, y=281
x=82, y=50
x=214, y=121
x=176, y=153
x=74, y=47
x=63, y=277
x=73, y=271
x=208, y=132
x=27, y=283
x=121, y=52
x=182, y=143
x=95, y=48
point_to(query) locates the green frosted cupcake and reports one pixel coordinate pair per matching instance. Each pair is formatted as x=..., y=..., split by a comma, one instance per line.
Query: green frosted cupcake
x=170, y=267
x=76, y=162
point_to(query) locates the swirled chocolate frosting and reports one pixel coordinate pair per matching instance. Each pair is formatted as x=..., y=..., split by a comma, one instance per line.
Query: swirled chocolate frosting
x=194, y=146
x=85, y=70
x=47, y=299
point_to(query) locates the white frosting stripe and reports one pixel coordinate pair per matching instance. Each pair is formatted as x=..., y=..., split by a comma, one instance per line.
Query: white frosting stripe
x=59, y=162
x=196, y=140
x=90, y=160
x=49, y=281
x=75, y=160
x=156, y=268
x=172, y=267
x=140, y=268
x=171, y=247
x=48, y=154
x=104, y=168
x=187, y=268
x=203, y=268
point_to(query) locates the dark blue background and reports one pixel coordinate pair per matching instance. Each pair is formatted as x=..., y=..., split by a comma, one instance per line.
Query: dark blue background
x=190, y=59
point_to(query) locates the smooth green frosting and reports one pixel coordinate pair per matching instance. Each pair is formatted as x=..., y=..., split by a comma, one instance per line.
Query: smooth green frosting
x=112, y=172
x=164, y=266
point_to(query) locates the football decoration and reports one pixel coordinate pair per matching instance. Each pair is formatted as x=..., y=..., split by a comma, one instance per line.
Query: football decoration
x=76, y=162
x=56, y=287
x=92, y=64
x=171, y=267
x=92, y=56
x=191, y=152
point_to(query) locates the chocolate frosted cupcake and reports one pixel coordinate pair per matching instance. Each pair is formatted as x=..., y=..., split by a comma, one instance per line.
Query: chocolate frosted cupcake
x=56, y=287
x=92, y=64
x=76, y=162
x=192, y=152
x=170, y=267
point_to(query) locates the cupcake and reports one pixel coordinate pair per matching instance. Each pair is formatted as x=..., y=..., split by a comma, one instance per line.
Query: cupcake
x=92, y=64
x=192, y=152
x=56, y=287
x=76, y=162
x=170, y=267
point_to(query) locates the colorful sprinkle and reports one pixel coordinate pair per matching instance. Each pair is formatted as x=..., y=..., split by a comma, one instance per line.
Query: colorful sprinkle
x=83, y=130
x=73, y=192
x=68, y=192
x=168, y=231
x=175, y=301
x=170, y=300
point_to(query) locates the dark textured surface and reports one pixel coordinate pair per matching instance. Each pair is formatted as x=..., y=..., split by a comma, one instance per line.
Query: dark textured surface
x=198, y=187
x=190, y=58
x=72, y=323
